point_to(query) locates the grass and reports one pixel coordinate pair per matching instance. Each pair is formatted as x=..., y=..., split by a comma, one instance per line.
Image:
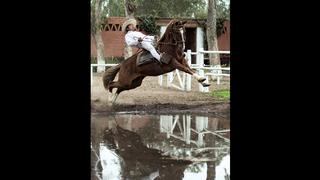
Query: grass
x=221, y=94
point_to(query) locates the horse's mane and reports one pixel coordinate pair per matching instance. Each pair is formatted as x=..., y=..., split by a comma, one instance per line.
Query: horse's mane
x=168, y=29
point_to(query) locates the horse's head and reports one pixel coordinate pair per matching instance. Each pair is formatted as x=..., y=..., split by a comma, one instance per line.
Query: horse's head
x=178, y=32
x=174, y=37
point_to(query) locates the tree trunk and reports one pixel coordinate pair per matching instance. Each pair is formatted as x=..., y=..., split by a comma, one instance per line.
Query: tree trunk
x=127, y=51
x=97, y=35
x=212, y=33
x=100, y=51
x=130, y=7
x=211, y=170
x=211, y=139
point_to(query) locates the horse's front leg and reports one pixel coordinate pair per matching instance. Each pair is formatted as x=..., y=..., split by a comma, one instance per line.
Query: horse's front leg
x=187, y=69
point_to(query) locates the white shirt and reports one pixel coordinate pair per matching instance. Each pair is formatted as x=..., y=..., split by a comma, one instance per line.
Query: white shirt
x=132, y=37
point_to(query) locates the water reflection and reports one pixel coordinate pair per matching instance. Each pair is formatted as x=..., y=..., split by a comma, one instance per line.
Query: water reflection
x=160, y=147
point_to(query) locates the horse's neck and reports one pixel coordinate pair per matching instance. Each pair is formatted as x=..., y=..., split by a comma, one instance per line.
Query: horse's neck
x=167, y=44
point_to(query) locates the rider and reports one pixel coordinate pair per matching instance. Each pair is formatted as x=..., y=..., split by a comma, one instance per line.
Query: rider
x=137, y=39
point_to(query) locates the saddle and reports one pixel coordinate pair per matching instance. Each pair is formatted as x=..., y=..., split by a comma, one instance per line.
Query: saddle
x=145, y=57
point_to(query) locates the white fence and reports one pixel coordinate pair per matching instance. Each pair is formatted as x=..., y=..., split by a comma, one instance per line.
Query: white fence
x=184, y=79
x=184, y=127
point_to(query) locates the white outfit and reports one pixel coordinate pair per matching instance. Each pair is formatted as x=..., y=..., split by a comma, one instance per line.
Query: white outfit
x=132, y=40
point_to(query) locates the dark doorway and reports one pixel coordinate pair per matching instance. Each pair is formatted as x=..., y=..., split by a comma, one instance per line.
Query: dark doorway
x=191, y=42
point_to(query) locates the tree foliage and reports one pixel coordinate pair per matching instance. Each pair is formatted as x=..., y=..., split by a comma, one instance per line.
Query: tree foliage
x=165, y=8
x=223, y=11
x=115, y=8
x=179, y=8
x=223, y=14
x=169, y=8
x=99, y=10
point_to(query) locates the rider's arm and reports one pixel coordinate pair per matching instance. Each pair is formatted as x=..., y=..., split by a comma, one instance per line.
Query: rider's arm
x=149, y=38
x=137, y=35
x=133, y=37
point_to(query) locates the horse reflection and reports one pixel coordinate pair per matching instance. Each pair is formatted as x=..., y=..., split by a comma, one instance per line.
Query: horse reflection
x=141, y=162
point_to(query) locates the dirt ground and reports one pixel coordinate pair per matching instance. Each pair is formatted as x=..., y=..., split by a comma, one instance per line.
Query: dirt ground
x=150, y=97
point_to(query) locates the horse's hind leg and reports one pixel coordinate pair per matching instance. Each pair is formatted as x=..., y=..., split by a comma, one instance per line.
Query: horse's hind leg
x=137, y=82
x=114, y=84
x=119, y=90
x=114, y=98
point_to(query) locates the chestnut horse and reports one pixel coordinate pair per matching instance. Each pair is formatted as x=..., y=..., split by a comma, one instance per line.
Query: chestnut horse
x=172, y=43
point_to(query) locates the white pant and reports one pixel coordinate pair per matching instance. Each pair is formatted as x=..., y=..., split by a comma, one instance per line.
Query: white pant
x=148, y=46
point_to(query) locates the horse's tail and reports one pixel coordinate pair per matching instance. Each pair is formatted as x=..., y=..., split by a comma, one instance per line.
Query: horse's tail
x=109, y=75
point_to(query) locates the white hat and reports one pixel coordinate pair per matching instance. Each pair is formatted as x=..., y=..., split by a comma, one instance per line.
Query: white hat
x=127, y=22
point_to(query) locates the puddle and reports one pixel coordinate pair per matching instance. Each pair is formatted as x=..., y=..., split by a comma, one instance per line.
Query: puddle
x=147, y=147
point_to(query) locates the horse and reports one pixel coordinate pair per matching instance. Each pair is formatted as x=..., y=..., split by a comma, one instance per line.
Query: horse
x=131, y=75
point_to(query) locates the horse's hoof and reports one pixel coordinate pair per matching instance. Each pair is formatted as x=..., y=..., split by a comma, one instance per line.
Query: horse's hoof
x=204, y=84
x=201, y=80
x=110, y=90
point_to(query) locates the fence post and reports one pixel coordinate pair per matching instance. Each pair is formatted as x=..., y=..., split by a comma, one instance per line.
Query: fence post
x=217, y=71
x=91, y=72
x=188, y=79
x=201, y=124
x=160, y=80
x=169, y=78
x=219, y=74
x=188, y=129
x=200, y=62
x=184, y=79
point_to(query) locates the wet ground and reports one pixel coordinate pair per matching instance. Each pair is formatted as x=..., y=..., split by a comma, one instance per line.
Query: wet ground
x=170, y=146
x=151, y=97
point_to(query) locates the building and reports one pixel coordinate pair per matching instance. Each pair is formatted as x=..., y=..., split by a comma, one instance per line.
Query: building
x=195, y=36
